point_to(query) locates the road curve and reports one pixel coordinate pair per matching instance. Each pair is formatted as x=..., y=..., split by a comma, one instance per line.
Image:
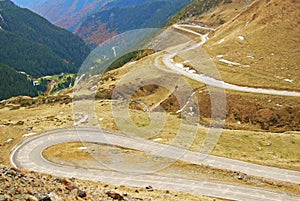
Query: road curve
x=28, y=155
x=210, y=80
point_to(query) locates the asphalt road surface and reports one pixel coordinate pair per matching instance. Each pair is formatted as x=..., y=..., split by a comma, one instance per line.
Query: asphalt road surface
x=28, y=155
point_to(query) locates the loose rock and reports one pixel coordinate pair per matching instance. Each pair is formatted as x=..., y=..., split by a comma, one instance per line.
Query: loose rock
x=114, y=195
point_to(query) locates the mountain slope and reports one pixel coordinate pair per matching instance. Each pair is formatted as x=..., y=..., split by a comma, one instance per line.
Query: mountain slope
x=31, y=44
x=255, y=43
x=120, y=16
x=28, y=3
x=69, y=13
x=195, y=9
x=14, y=84
x=264, y=39
x=64, y=13
x=126, y=3
x=211, y=12
x=92, y=19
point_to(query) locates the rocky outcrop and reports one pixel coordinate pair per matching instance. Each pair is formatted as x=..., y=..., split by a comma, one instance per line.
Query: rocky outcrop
x=23, y=185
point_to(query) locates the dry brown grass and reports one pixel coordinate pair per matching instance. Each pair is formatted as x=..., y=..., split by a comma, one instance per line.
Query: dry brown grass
x=15, y=123
x=271, y=30
x=222, y=13
x=266, y=148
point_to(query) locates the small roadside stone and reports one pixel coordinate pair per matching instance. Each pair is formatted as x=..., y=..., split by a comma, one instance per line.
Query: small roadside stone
x=68, y=184
x=45, y=198
x=54, y=197
x=149, y=188
x=269, y=144
x=114, y=195
x=7, y=197
x=81, y=194
x=32, y=198
x=20, y=190
x=30, y=191
x=7, y=185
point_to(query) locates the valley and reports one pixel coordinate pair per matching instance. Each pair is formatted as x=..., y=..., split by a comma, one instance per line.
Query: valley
x=185, y=117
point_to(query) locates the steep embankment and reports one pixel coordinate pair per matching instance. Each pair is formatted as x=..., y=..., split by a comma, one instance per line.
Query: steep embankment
x=211, y=12
x=255, y=46
x=262, y=41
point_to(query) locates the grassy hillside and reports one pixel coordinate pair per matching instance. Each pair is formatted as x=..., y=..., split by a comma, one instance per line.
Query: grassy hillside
x=194, y=9
x=210, y=12
x=261, y=37
x=264, y=39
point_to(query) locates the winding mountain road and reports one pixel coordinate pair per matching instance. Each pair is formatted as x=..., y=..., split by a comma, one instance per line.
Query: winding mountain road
x=167, y=60
x=28, y=155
